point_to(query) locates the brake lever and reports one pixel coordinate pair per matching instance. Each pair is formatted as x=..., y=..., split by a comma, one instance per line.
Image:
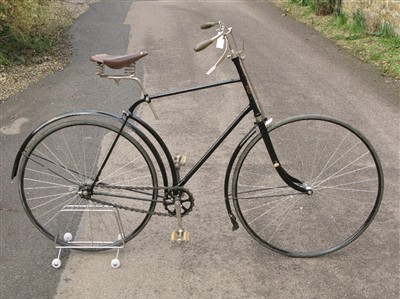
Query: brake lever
x=219, y=61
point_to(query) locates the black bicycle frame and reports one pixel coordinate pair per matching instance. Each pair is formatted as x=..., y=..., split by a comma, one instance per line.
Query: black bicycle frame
x=217, y=143
x=260, y=123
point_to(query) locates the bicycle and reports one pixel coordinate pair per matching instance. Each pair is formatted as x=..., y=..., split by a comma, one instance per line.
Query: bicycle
x=303, y=187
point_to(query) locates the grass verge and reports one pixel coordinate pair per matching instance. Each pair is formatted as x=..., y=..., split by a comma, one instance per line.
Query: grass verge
x=380, y=47
x=30, y=29
x=33, y=42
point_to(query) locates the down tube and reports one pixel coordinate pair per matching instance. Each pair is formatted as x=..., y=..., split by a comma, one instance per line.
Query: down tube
x=216, y=144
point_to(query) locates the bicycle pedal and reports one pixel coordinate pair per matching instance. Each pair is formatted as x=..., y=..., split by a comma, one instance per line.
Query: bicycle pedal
x=180, y=160
x=186, y=236
x=180, y=236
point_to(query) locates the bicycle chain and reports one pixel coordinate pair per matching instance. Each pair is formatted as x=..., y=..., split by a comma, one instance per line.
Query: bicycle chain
x=170, y=189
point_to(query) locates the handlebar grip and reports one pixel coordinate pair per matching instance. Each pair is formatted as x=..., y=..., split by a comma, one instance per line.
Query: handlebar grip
x=208, y=25
x=201, y=46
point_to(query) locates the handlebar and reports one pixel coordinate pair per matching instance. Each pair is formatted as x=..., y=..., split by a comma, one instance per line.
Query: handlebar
x=204, y=44
x=227, y=42
x=209, y=25
x=223, y=43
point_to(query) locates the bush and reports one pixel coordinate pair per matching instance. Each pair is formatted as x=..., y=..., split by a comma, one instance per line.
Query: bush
x=29, y=27
x=320, y=7
x=324, y=7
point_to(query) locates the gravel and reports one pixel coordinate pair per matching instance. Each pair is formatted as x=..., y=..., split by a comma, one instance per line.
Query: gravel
x=17, y=78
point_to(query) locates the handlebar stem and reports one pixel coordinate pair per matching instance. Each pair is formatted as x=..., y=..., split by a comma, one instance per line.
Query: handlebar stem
x=235, y=53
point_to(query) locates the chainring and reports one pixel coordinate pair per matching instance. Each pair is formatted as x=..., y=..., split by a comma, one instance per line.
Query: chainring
x=184, y=196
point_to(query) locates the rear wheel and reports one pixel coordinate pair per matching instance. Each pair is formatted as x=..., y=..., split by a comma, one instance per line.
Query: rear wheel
x=331, y=157
x=56, y=175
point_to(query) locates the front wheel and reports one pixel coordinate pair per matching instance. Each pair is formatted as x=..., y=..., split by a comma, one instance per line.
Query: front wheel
x=331, y=157
x=59, y=193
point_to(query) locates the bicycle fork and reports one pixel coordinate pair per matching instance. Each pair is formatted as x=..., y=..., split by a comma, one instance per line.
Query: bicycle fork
x=259, y=115
x=287, y=178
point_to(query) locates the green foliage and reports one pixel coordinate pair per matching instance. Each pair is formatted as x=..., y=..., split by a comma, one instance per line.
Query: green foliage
x=305, y=2
x=320, y=7
x=308, y=3
x=4, y=60
x=386, y=30
x=341, y=19
x=380, y=48
x=358, y=28
x=28, y=28
x=358, y=22
x=356, y=25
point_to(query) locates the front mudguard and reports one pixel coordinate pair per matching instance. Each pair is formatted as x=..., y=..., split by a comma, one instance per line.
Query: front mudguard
x=231, y=165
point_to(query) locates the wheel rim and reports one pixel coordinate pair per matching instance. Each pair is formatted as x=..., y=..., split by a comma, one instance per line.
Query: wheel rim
x=332, y=158
x=58, y=170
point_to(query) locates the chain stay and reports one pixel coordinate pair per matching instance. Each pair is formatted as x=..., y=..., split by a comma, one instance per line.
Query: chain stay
x=169, y=189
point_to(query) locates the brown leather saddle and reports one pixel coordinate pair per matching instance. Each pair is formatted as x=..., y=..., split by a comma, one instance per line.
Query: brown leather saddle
x=118, y=61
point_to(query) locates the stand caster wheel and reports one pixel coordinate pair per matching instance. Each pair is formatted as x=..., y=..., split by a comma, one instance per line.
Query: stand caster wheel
x=56, y=263
x=115, y=263
x=67, y=237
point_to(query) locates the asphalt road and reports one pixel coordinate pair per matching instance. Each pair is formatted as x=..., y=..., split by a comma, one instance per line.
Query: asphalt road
x=294, y=69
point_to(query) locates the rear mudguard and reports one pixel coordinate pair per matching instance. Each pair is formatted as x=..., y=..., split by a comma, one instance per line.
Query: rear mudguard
x=232, y=162
x=112, y=118
x=163, y=146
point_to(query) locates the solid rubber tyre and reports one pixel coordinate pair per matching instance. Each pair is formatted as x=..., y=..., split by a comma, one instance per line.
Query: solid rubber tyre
x=328, y=155
x=60, y=165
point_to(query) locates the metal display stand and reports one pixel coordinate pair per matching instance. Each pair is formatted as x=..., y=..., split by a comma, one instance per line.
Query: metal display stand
x=75, y=242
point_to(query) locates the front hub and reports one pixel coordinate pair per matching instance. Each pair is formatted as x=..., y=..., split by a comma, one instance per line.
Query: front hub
x=84, y=192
